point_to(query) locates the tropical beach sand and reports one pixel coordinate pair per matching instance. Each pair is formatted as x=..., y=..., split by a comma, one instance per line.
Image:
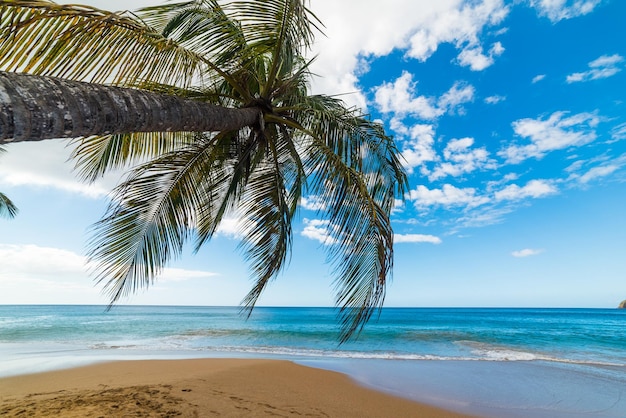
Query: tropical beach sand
x=200, y=388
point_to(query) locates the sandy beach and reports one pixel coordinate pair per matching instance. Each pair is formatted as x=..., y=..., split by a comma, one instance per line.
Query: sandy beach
x=199, y=388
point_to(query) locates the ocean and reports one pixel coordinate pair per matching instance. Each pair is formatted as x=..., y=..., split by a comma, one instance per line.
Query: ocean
x=517, y=363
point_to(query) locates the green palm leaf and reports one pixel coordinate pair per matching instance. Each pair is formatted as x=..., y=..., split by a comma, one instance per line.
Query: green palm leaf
x=152, y=214
x=85, y=43
x=7, y=208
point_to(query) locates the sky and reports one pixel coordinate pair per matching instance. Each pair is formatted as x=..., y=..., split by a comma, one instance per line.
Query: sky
x=511, y=119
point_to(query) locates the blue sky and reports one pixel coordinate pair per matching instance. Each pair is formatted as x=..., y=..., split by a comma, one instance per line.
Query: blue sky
x=511, y=117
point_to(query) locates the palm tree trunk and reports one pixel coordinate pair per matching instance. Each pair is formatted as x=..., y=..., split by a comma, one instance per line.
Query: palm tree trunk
x=33, y=108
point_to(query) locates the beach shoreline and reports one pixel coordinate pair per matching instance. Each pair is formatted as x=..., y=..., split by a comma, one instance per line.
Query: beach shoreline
x=198, y=388
x=492, y=363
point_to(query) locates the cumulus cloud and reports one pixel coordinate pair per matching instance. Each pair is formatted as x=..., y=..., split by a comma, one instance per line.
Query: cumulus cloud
x=447, y=196
x=533, y=189
x=461, y=158
x=400, y=97
x=419, y=27
x=476, y=59
x=312, y=203
x=23, y=261
x=415, y=238
x=556, y=10
x=418, y=146
x=318, y=230
x=526, y=252
x=232, y=227
x=557, y=132
x=602, y=67
x=453, y=100
x=461, y=27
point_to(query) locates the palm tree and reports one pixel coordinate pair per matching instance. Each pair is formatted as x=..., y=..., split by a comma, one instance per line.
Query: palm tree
x=241, y=58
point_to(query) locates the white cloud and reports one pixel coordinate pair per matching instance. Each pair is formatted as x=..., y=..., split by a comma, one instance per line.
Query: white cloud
x=419, y=27
x=538, y=78
x=526, y=252
x=61, y=269
x=447, y=196
x=46, y=164
x=495, y=99
x=456, y=96
x=231, y=227
x=317, y=229
x=461, y=27
x=533, y=189
x=557, y=132
x=460, y=158
x=556, y=10
x=312, y=203
x=575, y=166
x=171, y=274
x=400, y=97
x=32, y=261
x=477, y=60
x=415, y=238
x=597, y=172
x=602, y=67
x=488, y=215
x=618, y=132
x=419, y=147
x=587, y=171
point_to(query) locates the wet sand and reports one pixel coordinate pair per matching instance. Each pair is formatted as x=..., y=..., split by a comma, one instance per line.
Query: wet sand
x=200, y=388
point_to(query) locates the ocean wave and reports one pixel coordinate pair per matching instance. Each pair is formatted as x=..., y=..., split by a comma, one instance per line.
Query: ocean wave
x=490, y=352
x=481, y=352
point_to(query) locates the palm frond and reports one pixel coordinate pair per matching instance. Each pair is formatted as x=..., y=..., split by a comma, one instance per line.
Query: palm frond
x=269, y=205
x=150, y=217
x=359, y=142
x=7, y=208
x=362, y=253
x=88, y=44
x=203, y=27
x=96, y=155
x=355, y=170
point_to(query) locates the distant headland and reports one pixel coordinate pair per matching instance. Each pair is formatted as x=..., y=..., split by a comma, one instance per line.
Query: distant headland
x=622, y=305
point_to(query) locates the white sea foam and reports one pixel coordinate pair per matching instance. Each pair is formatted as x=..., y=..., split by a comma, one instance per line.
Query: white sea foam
x=480, y=352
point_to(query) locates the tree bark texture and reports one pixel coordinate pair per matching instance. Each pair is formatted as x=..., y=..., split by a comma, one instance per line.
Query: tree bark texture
x=33, y=108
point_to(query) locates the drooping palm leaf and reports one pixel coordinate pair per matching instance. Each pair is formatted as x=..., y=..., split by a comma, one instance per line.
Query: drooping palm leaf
x=85, y=43
x=270, y=204
x=7, y=208
x=152, y=214
x=96, y=155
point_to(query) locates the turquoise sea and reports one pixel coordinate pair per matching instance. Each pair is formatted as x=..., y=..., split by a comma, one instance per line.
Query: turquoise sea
x=535, y=363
